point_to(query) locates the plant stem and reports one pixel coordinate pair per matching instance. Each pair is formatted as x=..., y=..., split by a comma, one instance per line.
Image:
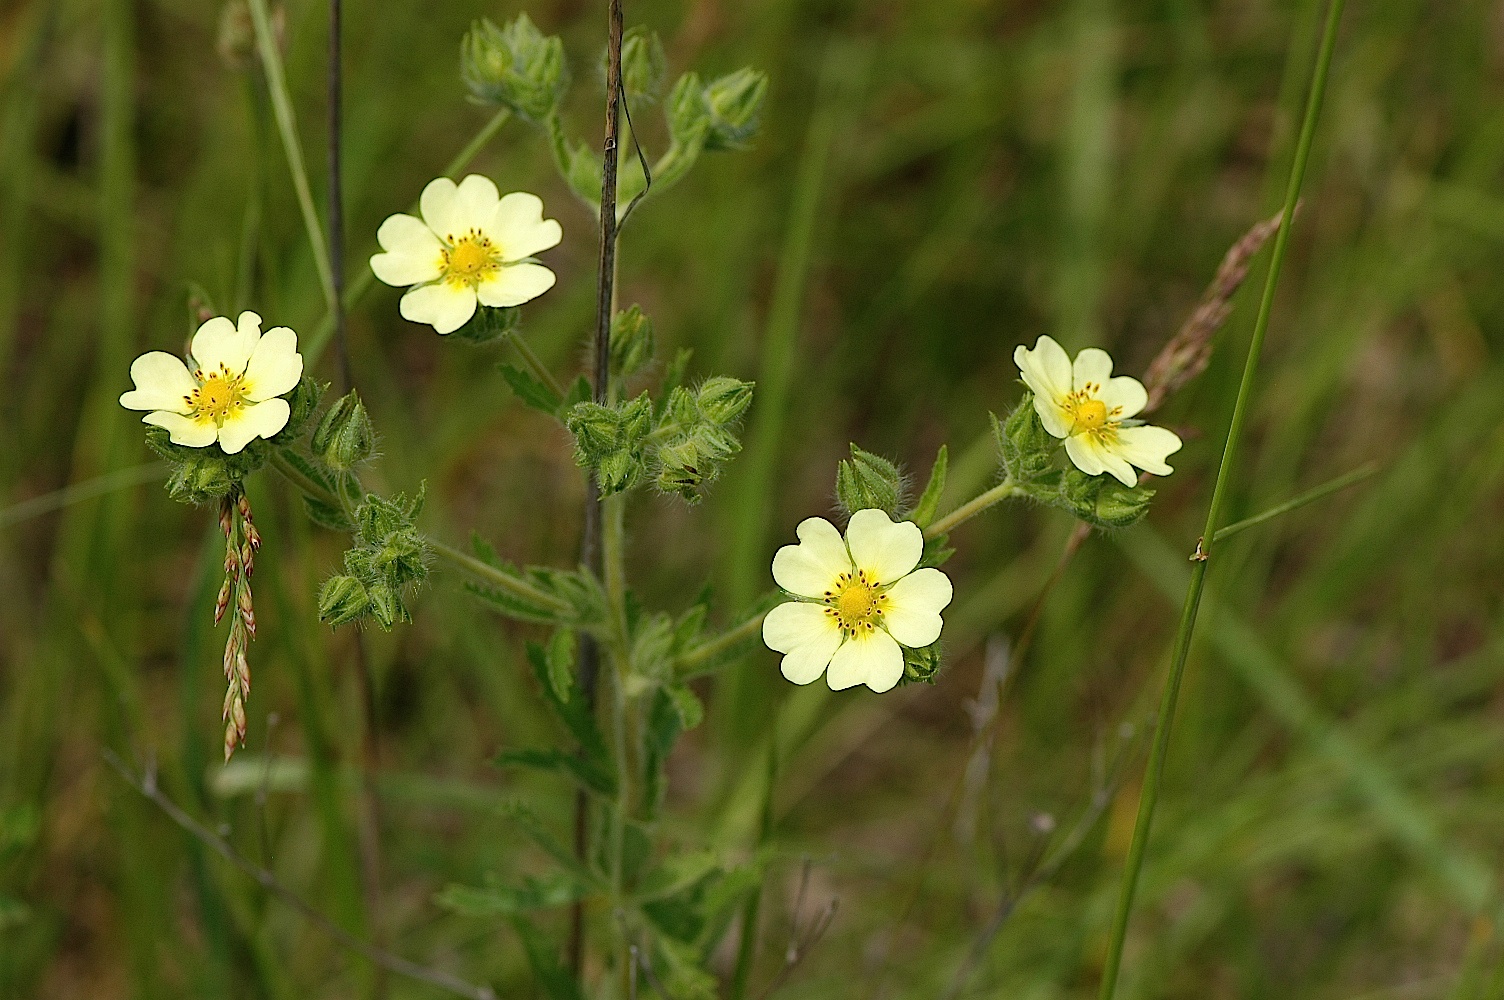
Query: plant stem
x=1164, y=720
x=287, y=125
x=535, y=365
x=1326, y=489
x=972, y=508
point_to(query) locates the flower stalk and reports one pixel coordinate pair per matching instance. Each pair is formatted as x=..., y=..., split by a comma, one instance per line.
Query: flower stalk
x=1164, y=720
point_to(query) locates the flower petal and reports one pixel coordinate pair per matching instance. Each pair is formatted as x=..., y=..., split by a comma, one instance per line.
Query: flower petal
x=515, y=284
x=1147, y=447
x=222, y=343
x=1090, y=454
x=162, y=381
x=884, y=549
x=475, y=201
x=1083, y=456
x=807, y=633
x=1124, y=396
x=413, y=253
x=182, y=429
x=914, y=605
x=444, y=306
x=275, y=365
x=247, y=423
x=439, y=204
x=520, y=229
x=1047, y=372
x=870, y=658
x=1093, y=367
x=810, y=568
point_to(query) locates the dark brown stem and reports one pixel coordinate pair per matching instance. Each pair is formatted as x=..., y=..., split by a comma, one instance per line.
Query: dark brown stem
x=590, y=545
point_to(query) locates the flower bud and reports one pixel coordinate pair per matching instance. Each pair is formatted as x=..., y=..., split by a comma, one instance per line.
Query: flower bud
x=632, y=341
x=342, y=599
x=642, y=65
x=735, y=105
x=1102, y=501
x=686, y=111
x=344, y=438
x=722, y=400
x=200, y=480
x=1026, y=447
x=866, y=481
x=516, y=66
x=921, y=665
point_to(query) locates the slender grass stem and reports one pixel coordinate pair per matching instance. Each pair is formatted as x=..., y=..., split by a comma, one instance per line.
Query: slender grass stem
x=287, y=126
x=1164, y=721
x=1310, y=496
x=972, y=508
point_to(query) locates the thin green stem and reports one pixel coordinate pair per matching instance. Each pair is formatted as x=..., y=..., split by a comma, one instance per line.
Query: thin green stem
x=687, y=664
x=1326, y=489
x=365, y=279
x=535, y=364
x=1164, y=721
x=287, y=125
x=972, y=508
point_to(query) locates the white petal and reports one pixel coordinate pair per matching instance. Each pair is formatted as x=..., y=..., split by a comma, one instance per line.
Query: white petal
x=439, y=204
x=1093, y=366
x=162, y=381
x=1047, y=372
x=914, y=605
x=183, y=430
x=884, y=549
x=1083, y=456
x=476, y=201
x=249, y=422
x=1123, y=397
x=1094, y=458
x=519, y=228
x=810, y=568
x=275, y=365
x=413, y=253
x=871, y=658
x=515, y=284
x=443, y=306
x=222, y=343
x=1147, y=447
x=807, y=633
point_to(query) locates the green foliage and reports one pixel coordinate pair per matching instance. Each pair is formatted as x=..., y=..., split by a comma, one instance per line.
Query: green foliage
x=387, y=555
x=866, y=481
x=516, y=66
x=632, y=342
x=344, y=438
x=612, y=440
x=489, y=325
x=929, y=501
x=201, y=476
x=497, y=899
x=921, y=665
x=643, y=65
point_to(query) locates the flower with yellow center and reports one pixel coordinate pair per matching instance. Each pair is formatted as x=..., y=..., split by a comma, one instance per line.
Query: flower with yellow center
x=1093, y=411
x=471, y=247
x=231, y=394
x=859, y=601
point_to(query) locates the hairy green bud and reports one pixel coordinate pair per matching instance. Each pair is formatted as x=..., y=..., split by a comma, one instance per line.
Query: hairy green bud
x=722, y=400
x=866, y=481
x=734, y=102
x=201, y=480
x=1103, y=501
x=921, y=665
x=686, y=112
x=611, y=440
x=643, y=65
x=1027, y=449
x=345, y=437
x=342, y=599
x=632, y=341
x=517, y=66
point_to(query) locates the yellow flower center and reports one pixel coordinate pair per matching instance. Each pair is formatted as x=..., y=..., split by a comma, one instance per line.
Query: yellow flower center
x=1089, y=415
x=856, y=603
x=219, y=394
x=470, y=259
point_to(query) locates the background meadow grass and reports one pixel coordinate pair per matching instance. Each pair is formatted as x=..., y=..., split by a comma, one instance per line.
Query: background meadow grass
x=935, y=183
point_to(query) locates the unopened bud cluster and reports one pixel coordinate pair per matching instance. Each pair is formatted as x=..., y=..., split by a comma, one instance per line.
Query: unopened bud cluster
x=242, y=542
x=516, y=66
x=389, y=554
x=724, y=114
x=866, y=481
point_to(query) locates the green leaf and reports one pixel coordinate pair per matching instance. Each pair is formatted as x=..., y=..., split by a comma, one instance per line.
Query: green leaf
x=687, y=705
x=570, y=707
x=561, y=663
x=531, y=390
x=557, y=981
x=677, y=873
x=528, y=822
x=326, y=515
x=580, y=391
x=929, y=501
x=583, y=769
x=497, y=900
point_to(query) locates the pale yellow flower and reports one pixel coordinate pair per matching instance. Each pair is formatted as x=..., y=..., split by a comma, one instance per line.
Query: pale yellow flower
x=231, y=395
x=1093, y=411
x=859, y=601
x=471, y=247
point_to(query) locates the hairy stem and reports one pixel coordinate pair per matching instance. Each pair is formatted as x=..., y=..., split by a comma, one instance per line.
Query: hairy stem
x=1163, y=722
x=972, y=508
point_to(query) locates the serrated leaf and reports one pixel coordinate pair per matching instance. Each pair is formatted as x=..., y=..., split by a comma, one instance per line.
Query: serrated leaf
x=580, y=391
x=558, y=982
x=515, y=607
x=326, y=515
x=531, y=390
x=583, y=769
x=929, y=501
x=528, y=822
x=570, y=708
x=561, y=662
x=687, y=705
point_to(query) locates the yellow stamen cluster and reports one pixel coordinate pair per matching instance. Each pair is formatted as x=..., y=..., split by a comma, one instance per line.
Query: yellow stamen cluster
x=219, y=394
x=470, y=259
x=856, y=602
x=1089, y=415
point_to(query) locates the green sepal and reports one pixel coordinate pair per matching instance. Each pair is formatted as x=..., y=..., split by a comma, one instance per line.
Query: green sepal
x=921, y=665
x=866, y=481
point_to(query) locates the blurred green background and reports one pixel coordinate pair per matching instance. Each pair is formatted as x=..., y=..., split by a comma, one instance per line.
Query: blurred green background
x=935, y=183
